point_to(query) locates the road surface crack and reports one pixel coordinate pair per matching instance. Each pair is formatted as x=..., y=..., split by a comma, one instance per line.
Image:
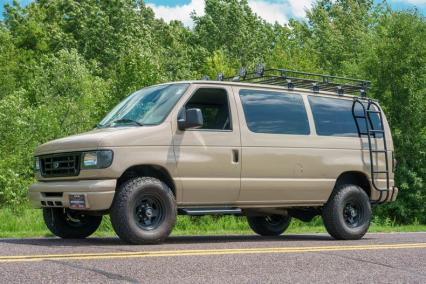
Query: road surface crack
x=374, y=263
x=112, y=276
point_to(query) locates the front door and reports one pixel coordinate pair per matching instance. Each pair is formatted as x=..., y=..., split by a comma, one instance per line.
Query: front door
x=208, y=158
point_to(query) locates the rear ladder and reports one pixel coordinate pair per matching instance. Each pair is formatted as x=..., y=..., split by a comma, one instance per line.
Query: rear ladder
x=368, y=111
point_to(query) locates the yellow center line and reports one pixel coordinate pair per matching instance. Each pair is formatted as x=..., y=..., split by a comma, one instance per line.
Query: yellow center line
x=171, y=253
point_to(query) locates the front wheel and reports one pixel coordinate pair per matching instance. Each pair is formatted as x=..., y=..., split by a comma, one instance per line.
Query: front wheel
x=347, y=215
x=144, y=211
x=69, y=224
x=273, y=225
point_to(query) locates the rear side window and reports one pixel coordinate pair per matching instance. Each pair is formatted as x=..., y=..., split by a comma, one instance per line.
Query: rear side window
x=274, y=112
x=333, y=117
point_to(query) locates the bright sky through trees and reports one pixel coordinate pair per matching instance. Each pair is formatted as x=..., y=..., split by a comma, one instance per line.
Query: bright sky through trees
x=271, y=10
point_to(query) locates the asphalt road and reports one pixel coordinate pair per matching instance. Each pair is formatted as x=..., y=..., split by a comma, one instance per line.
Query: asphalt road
x=378, y=258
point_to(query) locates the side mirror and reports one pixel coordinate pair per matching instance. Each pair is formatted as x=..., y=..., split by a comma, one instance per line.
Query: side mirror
x=190, y=118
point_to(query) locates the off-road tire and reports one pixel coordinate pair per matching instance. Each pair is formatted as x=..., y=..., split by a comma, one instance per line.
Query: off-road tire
x=69, y=224
x=273, y=225
x=127, y=203
x=333, y=213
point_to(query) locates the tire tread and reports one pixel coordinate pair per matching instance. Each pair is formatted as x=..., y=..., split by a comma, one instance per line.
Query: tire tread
x=118, y=210
x=260, y=227
x=56, y=224
x=333, y=222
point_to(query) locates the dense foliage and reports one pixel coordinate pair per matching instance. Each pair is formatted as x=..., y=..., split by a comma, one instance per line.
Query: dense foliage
x=65, y=63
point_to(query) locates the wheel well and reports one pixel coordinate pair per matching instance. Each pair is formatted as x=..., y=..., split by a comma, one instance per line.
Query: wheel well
x=357, y=178
x=148, y=171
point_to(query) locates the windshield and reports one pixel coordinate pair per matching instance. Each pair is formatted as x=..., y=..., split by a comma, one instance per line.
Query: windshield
x=148, y=106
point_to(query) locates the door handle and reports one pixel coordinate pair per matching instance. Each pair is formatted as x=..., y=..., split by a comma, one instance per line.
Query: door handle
x=235, y=156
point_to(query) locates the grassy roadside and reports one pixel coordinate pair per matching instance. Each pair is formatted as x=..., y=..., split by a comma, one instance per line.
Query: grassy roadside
x=27, y=222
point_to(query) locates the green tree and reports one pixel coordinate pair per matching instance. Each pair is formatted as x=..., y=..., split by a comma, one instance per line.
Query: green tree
x=68, y=100
x=231, y=26
x=397, y=66
x=338, y=32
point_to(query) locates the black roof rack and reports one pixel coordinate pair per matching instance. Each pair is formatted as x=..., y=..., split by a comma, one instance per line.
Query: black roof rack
x=297, y=79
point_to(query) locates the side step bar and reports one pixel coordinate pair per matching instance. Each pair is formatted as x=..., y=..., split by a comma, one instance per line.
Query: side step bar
x=209, y=211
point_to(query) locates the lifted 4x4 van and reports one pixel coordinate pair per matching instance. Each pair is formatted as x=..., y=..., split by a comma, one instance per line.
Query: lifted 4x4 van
x=271, y=145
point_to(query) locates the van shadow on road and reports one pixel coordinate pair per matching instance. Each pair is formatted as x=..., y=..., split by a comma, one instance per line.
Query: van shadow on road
x=184, y=240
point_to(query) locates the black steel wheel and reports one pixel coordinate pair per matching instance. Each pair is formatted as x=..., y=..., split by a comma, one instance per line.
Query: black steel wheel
x=149, y=212
x=272, y=225
x=347, y=214
x=143, y=211
x=70, y=224
x=353, y=213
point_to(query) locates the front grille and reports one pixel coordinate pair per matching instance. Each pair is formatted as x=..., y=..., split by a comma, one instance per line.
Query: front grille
x=60, y=165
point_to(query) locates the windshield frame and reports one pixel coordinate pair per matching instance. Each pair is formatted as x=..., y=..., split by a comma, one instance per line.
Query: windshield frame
x=108, y=120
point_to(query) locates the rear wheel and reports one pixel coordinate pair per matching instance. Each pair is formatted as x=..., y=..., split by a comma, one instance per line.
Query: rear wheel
x=70, y=224
x=273, y=225
x=144, y=211
x=347, y=215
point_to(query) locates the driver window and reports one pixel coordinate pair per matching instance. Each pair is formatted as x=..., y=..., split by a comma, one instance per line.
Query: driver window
x=214, y=105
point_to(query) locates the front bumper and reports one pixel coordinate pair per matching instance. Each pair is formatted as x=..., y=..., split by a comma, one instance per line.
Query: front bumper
x=98, y=193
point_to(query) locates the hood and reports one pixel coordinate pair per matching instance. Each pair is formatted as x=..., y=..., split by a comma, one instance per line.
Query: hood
x=109, y=138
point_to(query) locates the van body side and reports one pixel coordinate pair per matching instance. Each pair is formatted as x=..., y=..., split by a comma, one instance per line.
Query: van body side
x=274, y=170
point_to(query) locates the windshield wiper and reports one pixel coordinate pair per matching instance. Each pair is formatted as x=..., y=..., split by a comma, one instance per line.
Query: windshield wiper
x=126, y=120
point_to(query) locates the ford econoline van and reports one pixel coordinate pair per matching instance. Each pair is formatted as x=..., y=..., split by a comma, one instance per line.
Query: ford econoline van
x=269, y=145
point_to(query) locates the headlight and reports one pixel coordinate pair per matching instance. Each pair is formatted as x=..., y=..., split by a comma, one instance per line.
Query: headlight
x=97, y=159
x=36, y=164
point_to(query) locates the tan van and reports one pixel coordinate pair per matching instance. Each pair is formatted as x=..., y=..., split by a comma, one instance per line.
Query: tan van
x=271, y=145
